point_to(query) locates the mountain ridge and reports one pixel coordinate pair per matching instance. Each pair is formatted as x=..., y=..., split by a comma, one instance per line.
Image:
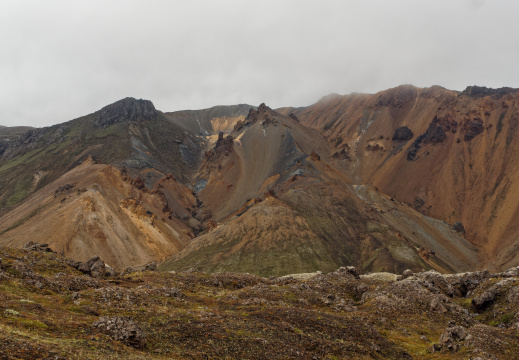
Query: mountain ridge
x=192, y=184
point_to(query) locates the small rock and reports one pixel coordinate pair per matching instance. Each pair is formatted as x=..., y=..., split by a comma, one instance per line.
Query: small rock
x=150, y=267
x=407, y=273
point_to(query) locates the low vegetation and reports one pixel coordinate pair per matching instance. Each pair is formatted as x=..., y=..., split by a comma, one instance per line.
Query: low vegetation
x=50, y=310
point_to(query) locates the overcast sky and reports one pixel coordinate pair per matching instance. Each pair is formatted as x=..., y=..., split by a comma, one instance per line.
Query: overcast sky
x=63, y=59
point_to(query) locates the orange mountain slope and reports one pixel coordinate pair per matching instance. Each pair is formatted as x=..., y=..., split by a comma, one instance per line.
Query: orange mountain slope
x=458, y=163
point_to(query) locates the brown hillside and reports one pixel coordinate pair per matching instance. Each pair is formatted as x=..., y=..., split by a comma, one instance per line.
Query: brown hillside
x=459, y=165
x=97, y=209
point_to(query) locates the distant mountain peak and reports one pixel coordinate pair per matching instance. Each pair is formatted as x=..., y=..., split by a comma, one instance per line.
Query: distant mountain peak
x=481, y=91
x=127, y=109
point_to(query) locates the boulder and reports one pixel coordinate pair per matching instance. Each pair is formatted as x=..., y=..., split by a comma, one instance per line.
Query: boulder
x=122, y=328
x=469, y=281
x=487, y=298
x=452, y=337
x=351, y=270
x=407, y=273
x=96, y=267
x=438, y=281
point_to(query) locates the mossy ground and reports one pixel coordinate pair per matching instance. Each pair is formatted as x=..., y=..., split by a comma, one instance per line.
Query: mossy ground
x=47, y=310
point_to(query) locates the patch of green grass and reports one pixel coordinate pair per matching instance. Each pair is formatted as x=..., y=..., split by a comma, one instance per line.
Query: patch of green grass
x=505, y=319
x=24, y=159
x=33, y=324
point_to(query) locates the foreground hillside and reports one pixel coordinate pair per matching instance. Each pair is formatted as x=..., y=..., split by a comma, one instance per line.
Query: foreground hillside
x=53, y=308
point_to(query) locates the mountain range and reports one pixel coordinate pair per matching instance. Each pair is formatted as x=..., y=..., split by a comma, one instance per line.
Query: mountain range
x=418, y=178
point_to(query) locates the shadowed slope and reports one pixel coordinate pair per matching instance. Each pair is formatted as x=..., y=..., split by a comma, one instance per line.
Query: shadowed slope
x=129, y=132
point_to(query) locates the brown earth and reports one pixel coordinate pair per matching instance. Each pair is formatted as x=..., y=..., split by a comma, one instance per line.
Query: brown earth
x=460, y=165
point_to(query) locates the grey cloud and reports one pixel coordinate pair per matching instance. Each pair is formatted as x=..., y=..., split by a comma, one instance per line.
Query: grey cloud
x=63, y=59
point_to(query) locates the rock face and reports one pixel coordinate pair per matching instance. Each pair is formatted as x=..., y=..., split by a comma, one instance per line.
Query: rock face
x=123, y=329
x=128, y=109
x=435, y=133
x=402, y=133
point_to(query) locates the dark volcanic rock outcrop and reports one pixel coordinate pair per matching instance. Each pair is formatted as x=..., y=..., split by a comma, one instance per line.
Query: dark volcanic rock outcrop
x=222, y=147
x=481, y=91
x=435, y=133
x=402, y=133
x=128, y=109
x=472, y=128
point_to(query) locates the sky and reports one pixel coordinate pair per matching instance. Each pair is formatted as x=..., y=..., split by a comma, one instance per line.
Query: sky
x=61, y=59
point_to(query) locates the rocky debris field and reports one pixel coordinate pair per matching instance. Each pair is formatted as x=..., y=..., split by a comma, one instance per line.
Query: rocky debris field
x=54, y=308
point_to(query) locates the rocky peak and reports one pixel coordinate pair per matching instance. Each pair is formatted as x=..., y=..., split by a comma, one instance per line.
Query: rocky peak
x=481, y=91
x=128, y=109
x=263, y=112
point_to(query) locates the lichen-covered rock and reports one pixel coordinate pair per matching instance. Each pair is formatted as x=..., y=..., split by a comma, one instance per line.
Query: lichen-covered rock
x=94, y=267
x=407, y=273
x=487, y=298
x=438, y=281
x=348, y=270
x=123, y=329
x=451, y=338
x=34, y=246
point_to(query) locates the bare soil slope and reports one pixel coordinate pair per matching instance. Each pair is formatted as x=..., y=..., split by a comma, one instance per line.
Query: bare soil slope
x=458, y=163
x=97, y=209
x=277, y=207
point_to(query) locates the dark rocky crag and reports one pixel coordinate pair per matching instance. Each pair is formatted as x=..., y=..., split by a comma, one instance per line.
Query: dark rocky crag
x=127, y=109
